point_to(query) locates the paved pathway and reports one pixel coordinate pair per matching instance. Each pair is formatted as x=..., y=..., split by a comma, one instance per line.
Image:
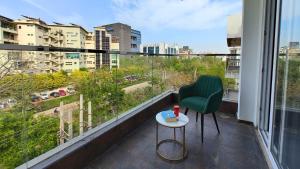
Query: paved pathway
x=67, y=107
x=75, y=105
x=135, y=87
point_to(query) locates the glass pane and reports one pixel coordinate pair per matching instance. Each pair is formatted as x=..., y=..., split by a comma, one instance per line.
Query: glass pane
x=267, y=68
x=286, y=125
x=134, y=79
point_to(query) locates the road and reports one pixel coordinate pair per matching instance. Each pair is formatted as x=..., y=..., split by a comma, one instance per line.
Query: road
x=68, y=107
x=75, y=105
x=133, y=88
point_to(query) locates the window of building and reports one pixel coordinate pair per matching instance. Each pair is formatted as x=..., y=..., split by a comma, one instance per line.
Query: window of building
x=157, y=50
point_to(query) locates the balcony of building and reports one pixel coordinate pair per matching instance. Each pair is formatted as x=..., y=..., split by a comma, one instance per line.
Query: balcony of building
x=109, y=119
x=149, y=77
x=10, y=30
x=129, y=142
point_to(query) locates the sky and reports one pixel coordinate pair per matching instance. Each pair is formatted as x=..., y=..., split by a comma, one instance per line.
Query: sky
x=200, y=24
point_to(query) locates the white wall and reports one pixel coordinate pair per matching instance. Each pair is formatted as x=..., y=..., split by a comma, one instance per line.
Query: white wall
x=250, y=73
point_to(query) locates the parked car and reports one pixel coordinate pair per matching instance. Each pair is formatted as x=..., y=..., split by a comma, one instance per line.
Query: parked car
x=34, y=98
x=44, y=96
x=70, y=90
x=2, y=105
x=62, y=92
x=54, y=94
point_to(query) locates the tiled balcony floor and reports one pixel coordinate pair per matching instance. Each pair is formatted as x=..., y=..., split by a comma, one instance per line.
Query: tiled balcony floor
x=235, y=148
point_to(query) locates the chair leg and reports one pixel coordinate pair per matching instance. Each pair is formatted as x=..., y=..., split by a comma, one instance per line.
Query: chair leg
x=197, y=117
x=215, y=119
x=202, y=126
x=186, y=111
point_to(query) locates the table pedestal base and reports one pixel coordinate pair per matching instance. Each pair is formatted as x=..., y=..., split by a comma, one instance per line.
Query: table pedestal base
x=183, y=156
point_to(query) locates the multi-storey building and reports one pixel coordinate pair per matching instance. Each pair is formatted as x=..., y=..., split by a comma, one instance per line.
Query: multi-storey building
x=34, y=32
x=8, y=31
x=114, y=58
x=161, y=48
x=102, y=42
x=185, y=50
x=234, y=29
x=90, y=58
x=8, y=35
x=135, y=40
x=129, y=39
x=100, y=39
x=70, y=36
x=234, y=26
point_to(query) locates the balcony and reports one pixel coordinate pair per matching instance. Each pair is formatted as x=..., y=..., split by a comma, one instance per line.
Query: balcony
x=235, y=147
x=10, y=30
x=132, y=136
x=9, y=40
x=46, y=36
x=122, y=125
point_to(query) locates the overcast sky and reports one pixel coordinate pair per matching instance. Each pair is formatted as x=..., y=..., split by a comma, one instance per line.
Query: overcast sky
x=201, y=24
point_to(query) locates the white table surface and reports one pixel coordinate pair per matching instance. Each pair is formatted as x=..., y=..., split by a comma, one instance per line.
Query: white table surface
x=182, y=121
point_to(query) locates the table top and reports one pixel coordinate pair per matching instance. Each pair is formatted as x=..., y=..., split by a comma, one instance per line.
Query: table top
x=182, y=121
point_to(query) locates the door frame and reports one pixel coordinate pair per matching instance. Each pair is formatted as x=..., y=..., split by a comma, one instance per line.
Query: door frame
x=266, y=143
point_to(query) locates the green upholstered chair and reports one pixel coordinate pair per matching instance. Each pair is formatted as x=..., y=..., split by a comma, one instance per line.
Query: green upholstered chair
x=204, y=96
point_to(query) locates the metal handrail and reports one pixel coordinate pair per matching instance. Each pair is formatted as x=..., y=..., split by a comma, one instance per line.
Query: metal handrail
x=82, y=50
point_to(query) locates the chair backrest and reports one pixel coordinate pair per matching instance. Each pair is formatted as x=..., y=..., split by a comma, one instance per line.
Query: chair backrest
x=206, y=85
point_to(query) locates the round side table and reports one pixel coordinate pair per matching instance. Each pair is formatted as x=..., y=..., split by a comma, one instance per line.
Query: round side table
x=180, y=123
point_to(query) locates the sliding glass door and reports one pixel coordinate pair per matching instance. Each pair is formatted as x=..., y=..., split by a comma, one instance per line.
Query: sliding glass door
x=285, y=141
x=267, y=67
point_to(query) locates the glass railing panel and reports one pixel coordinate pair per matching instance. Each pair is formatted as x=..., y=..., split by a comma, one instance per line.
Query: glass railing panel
x=134, y=79
x=25, y=133
x=48, y=98
x=175, y=71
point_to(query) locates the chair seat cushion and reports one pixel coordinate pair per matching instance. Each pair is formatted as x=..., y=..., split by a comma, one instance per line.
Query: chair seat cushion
x=195, y=103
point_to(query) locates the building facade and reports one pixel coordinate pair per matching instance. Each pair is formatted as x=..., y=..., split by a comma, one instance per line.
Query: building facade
x=34, y=32
x=234, y=26
x=161, y=48
x=136, y=40
x=70, y=36
x=31, y=31
x=8, y=35
x=185, y=51
x=129, y=39
x=90, y=58
x=8, y=31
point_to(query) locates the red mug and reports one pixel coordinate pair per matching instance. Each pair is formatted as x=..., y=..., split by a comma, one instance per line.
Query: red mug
x=176, y=110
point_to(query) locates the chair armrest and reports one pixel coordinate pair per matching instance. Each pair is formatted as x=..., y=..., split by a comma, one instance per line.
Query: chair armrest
x=186, y=91
x=214, y=101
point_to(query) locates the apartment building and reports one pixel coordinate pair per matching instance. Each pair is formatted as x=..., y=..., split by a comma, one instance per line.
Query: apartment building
x=70, y=36
x=8, y=35
x=90, y=58
x=136, y=38
x=185, y=50
x=8, y=31
x=129, y=39
x=234, y=26
x=160, y=48
x=114, y=58
x=102, y=42
x=34, y=32
x=234, y=29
